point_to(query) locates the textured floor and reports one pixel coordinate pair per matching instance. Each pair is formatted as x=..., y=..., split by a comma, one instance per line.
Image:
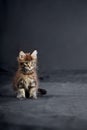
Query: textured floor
x=63, y=108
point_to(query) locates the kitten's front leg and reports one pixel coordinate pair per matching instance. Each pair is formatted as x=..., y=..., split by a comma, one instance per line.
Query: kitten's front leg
x=21, y=93
x=21, y=89
x=33, y=93
x=33, y=90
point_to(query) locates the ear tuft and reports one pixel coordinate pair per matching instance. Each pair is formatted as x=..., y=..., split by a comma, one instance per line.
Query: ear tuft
x=21, y=55
x=34, y=54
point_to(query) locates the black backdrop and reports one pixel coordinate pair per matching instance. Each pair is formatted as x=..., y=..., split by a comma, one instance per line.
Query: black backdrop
x=56, y=28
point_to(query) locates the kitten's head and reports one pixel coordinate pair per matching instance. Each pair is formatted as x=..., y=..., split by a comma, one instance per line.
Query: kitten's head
x=27, y=62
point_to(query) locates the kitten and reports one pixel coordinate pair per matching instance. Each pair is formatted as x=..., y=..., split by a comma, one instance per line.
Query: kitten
x=26, y=78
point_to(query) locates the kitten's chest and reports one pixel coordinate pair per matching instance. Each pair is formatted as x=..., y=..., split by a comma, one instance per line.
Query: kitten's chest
x=30, y=80
x=25, y=80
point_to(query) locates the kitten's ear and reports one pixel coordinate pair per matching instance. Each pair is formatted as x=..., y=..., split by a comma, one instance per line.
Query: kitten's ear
x=34, y=54
x=21, y=55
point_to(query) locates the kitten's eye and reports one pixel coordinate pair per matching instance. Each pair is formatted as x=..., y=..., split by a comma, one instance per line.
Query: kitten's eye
x=21, y=63
x=26, y=62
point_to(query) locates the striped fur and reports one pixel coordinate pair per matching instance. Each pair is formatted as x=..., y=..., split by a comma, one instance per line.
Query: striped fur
x=26, y=79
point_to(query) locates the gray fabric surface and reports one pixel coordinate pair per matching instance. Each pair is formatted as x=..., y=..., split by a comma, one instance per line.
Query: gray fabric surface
x=63, y=108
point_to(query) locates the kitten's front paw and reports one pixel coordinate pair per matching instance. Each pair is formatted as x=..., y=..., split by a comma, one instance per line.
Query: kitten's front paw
x=33, y=96
x=19, y=96
x=33, y=93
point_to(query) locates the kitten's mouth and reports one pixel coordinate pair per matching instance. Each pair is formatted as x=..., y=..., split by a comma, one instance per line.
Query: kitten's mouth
x=27, y=70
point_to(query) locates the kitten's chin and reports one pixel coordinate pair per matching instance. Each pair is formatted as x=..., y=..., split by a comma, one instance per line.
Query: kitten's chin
x=26, y=71
x=29, y=72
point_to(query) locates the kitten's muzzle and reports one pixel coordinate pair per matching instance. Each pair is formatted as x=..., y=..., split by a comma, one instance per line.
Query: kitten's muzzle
x=26, y=69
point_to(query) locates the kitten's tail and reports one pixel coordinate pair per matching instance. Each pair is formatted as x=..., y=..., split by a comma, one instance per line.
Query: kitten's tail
x=42, y=91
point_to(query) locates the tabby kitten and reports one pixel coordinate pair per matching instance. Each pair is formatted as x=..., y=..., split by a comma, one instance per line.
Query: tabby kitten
x=26, y=79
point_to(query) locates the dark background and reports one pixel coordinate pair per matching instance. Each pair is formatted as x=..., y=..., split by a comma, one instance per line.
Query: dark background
x=56, y=28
